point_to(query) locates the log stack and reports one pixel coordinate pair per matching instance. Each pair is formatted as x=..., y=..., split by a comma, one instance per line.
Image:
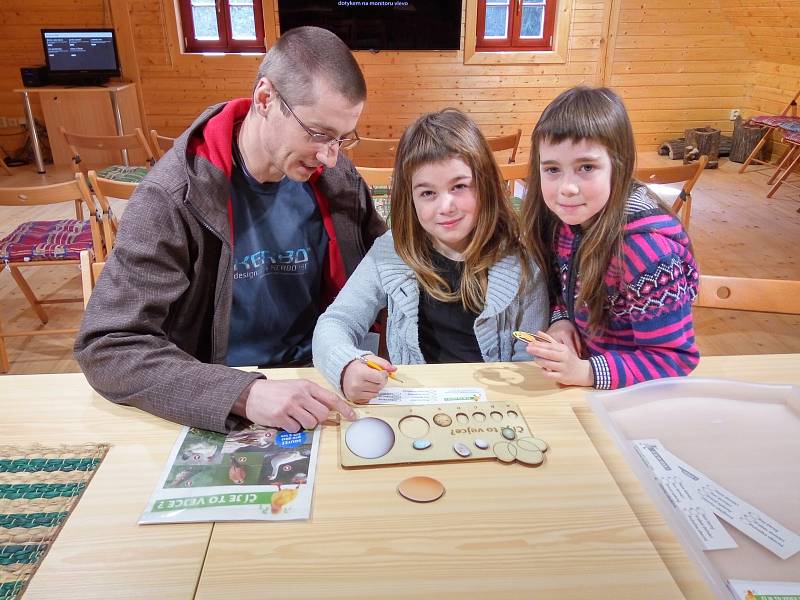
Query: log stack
x=745, y=138
x=703, y=140
x=676, y=148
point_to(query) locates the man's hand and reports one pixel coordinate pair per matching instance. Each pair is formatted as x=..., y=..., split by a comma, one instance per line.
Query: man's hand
x=292, y=404
x=361, y=383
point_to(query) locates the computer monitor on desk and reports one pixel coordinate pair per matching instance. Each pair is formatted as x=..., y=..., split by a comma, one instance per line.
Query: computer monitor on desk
x=80, y=56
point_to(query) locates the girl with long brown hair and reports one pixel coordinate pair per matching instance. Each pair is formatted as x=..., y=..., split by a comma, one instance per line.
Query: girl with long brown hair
x=452, y=271
x=620, y=266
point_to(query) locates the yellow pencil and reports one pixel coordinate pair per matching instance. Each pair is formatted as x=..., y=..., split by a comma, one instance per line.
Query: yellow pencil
x=377, y=367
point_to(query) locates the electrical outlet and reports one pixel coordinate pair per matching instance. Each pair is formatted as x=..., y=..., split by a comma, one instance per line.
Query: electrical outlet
x=734, y=114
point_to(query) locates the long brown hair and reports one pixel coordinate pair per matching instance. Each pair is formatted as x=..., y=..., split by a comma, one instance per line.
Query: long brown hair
x=598, y=115
x=437, y=137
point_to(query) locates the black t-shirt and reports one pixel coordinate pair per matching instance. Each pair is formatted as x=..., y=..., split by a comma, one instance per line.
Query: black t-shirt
x=447, y=329
x=279, y=250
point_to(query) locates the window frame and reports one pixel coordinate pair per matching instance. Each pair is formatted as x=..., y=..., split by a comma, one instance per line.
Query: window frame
x=225, y=43
x=474, y=55
x=512, y=41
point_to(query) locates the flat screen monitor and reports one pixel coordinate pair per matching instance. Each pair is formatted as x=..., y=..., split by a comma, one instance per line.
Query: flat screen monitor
x=80, y=55
x=380, y=24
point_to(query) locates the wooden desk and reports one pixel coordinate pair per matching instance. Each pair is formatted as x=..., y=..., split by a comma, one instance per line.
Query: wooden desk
x=110, y=109
x=562, y=530
x=101, y=552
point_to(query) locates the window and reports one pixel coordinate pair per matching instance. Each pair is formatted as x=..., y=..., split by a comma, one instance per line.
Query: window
x=504, y=25
x=222, y=25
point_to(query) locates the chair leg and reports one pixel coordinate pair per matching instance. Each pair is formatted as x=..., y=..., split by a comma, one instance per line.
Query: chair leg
x=786, y=159
x=29, y=295
x=4, y=364
x=786, y=172
x=756, y=150
x=686, y=213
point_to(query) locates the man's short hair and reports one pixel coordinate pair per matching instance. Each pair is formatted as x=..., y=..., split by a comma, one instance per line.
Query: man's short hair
x=302, y=57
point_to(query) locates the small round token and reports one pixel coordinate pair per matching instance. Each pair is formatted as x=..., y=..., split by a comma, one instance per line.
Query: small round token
x=530, y=443
x=505, y=451
x=462, y=449
x=508, y=433
x=421, y=489
x=523, y=336
x=442, y=419
x=421, y=444
x=482, y=444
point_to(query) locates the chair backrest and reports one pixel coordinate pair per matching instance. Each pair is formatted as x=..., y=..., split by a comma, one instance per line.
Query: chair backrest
x=688, y=174
x=373, y=152
x=90, y=271
x=96, y=146
x=74, y=190
x=160, y=143
x=506, y=142
x=379, y=180
x=791, y=108
x=741, y=293
x=376, y=176
x=103, y=190
x=512, y=173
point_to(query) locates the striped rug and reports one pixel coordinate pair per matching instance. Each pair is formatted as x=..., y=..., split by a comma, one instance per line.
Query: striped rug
x=39, y=486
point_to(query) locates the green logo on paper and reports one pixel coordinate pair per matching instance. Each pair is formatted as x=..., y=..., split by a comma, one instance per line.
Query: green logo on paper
x=212, y=501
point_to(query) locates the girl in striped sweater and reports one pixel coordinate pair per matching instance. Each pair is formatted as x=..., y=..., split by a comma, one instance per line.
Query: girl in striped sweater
x=620, y=266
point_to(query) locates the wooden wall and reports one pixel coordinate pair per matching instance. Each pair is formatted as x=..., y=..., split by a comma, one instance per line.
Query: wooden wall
x=677, y=63
x=772, y=35
x=21, y=42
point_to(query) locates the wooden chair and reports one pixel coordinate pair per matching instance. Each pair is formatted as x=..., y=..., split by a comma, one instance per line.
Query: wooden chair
x=681, y=199
x=512, y=173
x=787, y=120
x=46, y=244
x=788, y=165
x=373, y=152
x=103, y=190
x=506, y=142
x=160, y=143
x=379, y=180
x=121, y=171
x=90, y=271
x=741, y=293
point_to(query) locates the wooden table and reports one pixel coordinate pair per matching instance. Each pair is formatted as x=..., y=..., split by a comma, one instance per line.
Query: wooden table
x=563, y=530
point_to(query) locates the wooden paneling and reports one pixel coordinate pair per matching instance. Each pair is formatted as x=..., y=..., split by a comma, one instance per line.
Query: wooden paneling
x=21, y=42
x=677, y=64
x=769, y=29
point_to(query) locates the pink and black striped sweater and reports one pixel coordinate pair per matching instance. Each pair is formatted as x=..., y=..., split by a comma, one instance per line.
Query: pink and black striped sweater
x=649, y=331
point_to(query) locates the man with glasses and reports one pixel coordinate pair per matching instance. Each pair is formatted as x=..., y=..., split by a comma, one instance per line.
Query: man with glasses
x=233, y=245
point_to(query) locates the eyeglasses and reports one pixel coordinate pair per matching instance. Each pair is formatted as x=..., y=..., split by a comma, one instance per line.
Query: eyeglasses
x=322, y=138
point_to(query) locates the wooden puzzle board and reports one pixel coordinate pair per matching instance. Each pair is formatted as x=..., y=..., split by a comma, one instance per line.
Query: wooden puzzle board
x=405, y=434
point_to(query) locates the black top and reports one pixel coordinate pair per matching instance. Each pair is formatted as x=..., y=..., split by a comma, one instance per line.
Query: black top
x=446, y=329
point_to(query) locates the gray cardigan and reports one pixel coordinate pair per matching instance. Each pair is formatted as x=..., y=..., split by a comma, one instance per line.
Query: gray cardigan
x=382, y=280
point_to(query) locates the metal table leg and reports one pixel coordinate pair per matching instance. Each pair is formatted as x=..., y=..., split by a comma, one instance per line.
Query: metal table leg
x=37, y=150
x=118, y=122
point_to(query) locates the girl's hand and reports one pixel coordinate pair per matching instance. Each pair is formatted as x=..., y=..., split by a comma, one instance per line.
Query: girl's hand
x=560, y=363
x=565, y=332
x=361, y=383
